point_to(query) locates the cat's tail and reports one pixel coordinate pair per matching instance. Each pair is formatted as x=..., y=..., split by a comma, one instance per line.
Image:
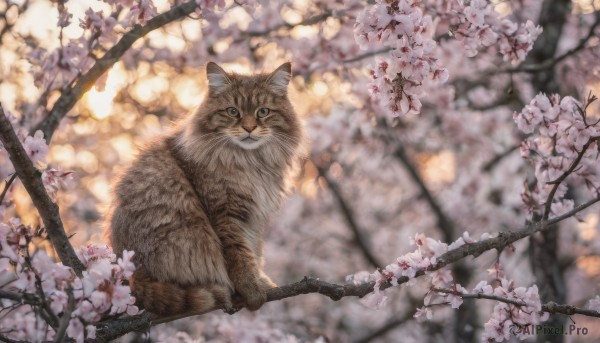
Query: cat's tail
x=166, y=299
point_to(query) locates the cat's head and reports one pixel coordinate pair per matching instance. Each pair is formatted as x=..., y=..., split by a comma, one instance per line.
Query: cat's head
x=249, y=111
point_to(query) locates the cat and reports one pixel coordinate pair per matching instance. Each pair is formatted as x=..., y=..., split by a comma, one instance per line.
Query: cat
x=194, y=204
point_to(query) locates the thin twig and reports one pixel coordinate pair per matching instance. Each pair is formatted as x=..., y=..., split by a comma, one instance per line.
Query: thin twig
x=367, y=55
x=550, y=307
x=7, y=186
x=65, y=319
x=308, y=21
x=489, y=165
x=556, y=183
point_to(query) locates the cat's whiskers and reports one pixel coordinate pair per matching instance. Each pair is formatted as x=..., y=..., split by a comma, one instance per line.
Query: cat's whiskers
x=287, y=142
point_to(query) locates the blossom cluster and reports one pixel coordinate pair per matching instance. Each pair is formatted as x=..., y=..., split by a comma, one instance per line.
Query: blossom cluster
x=36, y=148
x=561, y=140
x=407, y=29
x=50, y=290
x=516, y=308
x=398, y=78
x=408, y=265
x=506, y=316
x=477, y=24
x=57, y=68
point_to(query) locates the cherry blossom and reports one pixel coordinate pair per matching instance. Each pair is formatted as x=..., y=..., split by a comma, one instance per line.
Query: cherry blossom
x=98, y=293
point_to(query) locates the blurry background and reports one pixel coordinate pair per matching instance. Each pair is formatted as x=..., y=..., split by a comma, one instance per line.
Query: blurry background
x=371, y=181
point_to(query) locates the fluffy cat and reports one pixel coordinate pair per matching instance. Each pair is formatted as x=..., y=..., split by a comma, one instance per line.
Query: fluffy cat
x=194, y=204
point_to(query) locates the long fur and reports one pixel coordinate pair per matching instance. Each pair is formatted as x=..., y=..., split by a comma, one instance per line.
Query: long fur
x=194, y=204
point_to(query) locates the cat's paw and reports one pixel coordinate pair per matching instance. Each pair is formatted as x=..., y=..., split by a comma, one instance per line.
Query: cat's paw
x=254, y=291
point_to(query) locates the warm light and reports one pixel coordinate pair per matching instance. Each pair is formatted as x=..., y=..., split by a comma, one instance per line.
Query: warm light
x=320, y=88
x=87, y=161
x=439, y=167
x=149, y=89
x=237, y=16
x=239, y=68
x=502, y=7
x=100, y=188
x=123, y=146
x=585, y=6
x=291, y=16
x=300, y=32
x=588, y=227
x=63, y=155
x=590, y=265
x=331, y=27
x=100, y=103
x=188, y=92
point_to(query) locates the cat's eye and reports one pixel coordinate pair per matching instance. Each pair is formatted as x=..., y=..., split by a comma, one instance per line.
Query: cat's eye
x=263, y=112
x=232, y=111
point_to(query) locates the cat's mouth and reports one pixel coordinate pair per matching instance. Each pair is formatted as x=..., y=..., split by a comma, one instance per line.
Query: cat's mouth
x=249, y=142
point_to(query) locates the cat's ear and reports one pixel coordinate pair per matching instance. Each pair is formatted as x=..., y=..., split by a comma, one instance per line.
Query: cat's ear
x=280, y=78
x=217, y=77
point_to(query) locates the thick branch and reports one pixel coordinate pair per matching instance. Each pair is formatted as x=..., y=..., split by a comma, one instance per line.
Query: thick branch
x=70, y=95
x=24, y=298
x=31, y=179
x=112, y=329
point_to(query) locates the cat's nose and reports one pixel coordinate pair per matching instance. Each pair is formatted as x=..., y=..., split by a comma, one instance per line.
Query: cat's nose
x=249, y=127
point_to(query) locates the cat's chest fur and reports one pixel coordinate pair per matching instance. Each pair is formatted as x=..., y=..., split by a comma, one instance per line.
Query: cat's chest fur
x=248, y=187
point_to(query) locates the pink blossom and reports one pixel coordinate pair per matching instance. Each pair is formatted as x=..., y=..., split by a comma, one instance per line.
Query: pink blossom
x=423, y=313
x=36, y=147
x=398, y=79
x=375, y=300
x=126, y=264
x=559, y=134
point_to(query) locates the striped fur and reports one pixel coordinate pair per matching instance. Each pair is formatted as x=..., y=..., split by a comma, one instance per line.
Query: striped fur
x=194, y=204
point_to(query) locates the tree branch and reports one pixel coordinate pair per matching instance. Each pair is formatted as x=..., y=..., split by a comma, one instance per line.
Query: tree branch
x=556, y=183
x=70, y=95
x=65, y=319
x=489, y=165
x=550, y=307
x=549, y=63
x=348, y=215
x=112, y=329
x=7, y=186
x=8, y=340
x=24, y=298
x=308, y=21
x=367, y=54
x=31, y=179
x=444, y=222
